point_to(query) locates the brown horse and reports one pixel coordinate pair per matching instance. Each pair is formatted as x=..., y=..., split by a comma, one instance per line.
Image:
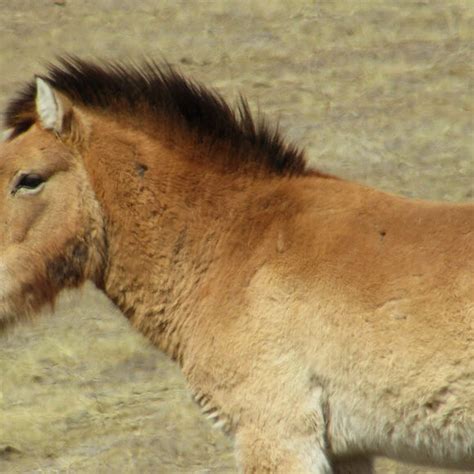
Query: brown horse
x=317, y=320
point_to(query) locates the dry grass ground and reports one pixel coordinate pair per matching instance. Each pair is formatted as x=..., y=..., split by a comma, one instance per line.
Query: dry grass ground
x=377, y=91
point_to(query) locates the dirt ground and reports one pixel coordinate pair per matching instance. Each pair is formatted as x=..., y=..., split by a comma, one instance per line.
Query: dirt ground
x=377, y=91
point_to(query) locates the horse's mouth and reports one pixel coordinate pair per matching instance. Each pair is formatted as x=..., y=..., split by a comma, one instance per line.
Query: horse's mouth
x=7, y=320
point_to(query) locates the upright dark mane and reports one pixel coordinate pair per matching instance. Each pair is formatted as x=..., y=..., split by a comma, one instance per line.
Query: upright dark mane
x=163, y=92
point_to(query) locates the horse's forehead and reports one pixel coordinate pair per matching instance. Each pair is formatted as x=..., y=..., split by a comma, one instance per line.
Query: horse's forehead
x=14, y=149
x=28, y=147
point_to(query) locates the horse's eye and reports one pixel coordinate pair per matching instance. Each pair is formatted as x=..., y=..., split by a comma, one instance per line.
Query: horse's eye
x=28, y=182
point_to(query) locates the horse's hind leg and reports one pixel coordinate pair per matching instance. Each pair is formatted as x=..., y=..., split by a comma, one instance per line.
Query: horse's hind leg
x=264, y=453
x=361, y=465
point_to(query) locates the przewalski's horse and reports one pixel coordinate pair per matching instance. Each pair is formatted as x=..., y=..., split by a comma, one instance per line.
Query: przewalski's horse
x=319, y=321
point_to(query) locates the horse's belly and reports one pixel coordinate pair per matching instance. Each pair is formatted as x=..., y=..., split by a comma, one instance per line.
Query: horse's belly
x=418, y=435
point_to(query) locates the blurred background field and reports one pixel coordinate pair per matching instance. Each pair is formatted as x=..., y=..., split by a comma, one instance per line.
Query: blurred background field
x=376, y=91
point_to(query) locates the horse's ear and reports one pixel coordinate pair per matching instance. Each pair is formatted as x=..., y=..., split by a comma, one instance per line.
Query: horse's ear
x=5, y=135
x=53, y=108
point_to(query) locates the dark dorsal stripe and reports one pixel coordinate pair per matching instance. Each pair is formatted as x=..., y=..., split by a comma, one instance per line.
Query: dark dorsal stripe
x=162, y=92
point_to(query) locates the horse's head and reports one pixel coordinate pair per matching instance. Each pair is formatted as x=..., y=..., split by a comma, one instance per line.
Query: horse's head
x=51, y=228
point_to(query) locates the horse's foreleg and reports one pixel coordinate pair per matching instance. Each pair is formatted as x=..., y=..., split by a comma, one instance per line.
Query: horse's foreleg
x=266, y=453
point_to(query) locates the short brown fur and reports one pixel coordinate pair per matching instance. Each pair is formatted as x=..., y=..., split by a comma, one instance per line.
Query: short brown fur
x=319, y=321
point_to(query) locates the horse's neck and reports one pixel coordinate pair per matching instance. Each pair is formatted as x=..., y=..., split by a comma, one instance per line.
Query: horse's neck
x=164, y=218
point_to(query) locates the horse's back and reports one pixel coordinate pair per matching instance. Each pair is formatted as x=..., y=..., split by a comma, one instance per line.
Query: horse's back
x=386, y=317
